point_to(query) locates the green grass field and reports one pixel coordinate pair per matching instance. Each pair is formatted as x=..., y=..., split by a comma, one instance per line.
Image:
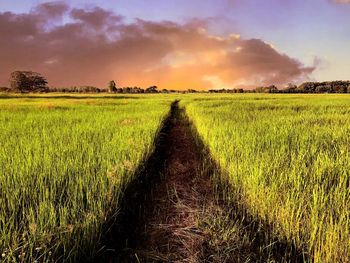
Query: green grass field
x=64, y=161
x=287, y=158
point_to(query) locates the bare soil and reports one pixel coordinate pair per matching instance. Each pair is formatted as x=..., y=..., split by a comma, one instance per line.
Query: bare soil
x=173, y=232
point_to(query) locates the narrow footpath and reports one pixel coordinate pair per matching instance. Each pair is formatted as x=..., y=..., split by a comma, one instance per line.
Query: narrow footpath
x=173, y=232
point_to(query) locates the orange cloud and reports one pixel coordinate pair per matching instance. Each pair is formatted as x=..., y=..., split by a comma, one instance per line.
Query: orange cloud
x=98, y=45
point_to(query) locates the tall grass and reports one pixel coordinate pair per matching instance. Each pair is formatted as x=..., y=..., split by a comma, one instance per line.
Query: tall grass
x=287, y=157
x=63, y=162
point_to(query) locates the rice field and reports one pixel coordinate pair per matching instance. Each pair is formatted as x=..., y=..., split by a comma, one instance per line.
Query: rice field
x=65, y=161
x=63, y=164
x=287, y=160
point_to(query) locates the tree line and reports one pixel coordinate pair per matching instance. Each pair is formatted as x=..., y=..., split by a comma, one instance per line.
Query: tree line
x=29, y=81
x=306, y=87
x=309, y=87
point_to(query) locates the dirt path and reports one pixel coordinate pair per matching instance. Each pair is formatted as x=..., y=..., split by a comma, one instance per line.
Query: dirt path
x=184, y=219
x=172, y=231
x=172, y=213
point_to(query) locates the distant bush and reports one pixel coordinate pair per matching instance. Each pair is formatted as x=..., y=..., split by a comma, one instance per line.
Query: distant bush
x=152, y=89
x=111, y=88
x=228, y=91
x=324, y=87
x=81, y=89
x=309, y=87
x=5, y=89
x=268, y=89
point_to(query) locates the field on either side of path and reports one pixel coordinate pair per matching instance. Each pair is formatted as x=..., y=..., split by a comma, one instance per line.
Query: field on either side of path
x=63, y=161
x=287, y=158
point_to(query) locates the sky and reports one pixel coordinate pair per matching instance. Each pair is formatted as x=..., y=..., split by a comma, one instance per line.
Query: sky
x=182, y=44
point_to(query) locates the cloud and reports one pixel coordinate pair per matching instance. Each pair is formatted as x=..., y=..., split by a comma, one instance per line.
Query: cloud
x=96, y=45
x=51, y=9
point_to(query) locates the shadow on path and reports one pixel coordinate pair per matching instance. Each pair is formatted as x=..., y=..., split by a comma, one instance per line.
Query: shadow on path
x=172, y=213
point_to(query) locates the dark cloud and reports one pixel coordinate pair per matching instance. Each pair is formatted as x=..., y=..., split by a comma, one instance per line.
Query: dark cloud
x=97, y=17
x=96, y=45
x=51, y=10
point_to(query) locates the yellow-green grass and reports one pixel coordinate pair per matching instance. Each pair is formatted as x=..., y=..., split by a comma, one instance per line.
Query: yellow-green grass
x=287, y=158
x=63, y=163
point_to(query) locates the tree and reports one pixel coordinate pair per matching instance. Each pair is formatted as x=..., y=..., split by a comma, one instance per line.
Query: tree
x=112, y=86
x=291, y=88
x=152, y=89
x=340, y=89
x=323, y=89
x=268, y=89
x=307, y=87
x=191, y=91
x=28, y=81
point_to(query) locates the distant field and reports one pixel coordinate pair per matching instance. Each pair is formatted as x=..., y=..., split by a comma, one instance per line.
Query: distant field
x=65, y=159
x=287, y=158
x=63, y=162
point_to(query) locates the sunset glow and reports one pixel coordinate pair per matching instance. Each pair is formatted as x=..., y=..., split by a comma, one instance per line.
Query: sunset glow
x=176, y=45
